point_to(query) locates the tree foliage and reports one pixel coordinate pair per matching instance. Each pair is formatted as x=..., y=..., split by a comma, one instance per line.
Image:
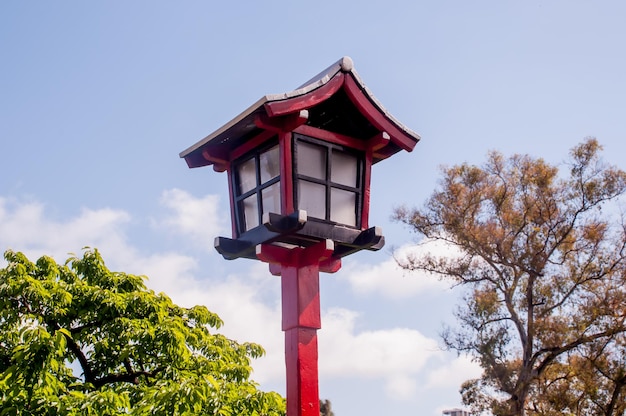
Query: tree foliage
x=542, y=258
x=79, y=339
x=326, y=408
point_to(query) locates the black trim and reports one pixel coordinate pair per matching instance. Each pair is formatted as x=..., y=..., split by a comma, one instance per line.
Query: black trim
x=295, y=230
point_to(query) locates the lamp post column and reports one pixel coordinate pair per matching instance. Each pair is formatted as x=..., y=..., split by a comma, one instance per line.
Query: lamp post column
x=299, y=270
x=301, y=320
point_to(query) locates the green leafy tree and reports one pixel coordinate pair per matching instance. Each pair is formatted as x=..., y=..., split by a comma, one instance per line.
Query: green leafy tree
x=542, y=257
x=79, y=339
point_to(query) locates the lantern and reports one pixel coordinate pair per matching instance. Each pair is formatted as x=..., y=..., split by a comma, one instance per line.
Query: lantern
x=299, y=165
x=299, y=171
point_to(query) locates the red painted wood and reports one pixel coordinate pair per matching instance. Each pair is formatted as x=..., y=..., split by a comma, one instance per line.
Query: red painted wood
x=220, y=164
x=332, y=137
x=302, y=376
x=379, y=141
x=367, y=181
x=300, y=321
x=286, y=173
x=299, y=271
x=296, y=256
x=330, y=265
x=272, y=254
x=281, y=124
x=300, y=297
x=384, y=153
x=275, y=269
x=316, y=253
x=252, y=144
x=302, y=102
x=373, y=114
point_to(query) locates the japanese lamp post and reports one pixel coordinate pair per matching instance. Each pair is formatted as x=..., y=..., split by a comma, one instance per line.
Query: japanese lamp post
x=299, y=167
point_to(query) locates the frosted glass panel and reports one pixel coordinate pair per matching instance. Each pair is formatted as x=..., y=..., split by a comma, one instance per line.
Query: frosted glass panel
x=342, y=207
x=311, y=160
x=270, y=164
x=271, y=199
x=251, y=212
x=246, y=176
x=312, y=198
x=344, y=168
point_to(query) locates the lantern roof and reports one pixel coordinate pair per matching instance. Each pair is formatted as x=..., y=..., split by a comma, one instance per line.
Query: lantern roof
x=335, y=100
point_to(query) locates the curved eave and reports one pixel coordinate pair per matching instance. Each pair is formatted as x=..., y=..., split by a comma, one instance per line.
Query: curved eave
x=340, y=75
x=400, y=133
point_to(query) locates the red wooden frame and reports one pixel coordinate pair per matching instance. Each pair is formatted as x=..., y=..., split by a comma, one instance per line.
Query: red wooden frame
x=285, y=142
x=332, y=137
x=302, y=102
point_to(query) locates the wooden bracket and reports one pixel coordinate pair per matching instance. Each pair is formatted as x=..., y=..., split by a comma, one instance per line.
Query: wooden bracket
x=282, y=124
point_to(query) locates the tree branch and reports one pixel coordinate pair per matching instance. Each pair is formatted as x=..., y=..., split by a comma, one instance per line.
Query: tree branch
x=132, y=377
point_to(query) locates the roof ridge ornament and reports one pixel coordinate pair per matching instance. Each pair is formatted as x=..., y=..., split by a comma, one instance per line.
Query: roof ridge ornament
x=346, y=63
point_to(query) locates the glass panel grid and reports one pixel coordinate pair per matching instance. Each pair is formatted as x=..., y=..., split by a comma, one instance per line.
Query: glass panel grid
x=257, y=187
x=330, y=193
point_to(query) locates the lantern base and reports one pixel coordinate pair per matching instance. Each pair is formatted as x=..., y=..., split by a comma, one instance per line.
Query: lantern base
x=296, y=230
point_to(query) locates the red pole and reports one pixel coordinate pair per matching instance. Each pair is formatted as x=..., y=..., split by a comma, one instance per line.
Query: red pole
x=301, y=320
x=299, y=270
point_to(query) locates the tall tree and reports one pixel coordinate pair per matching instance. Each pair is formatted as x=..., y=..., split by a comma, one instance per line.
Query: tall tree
x=79, y=339
x=542, y=257
x=326, y=408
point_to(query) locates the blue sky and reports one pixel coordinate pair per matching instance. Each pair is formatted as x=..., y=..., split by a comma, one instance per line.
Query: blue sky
x=97, y=99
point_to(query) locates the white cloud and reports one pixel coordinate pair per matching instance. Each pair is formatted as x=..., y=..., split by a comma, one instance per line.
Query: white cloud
x=391, y=280
x=454, y=373
x=394, y=355
x=197, y=218
x=25, y=227
x=171, y=273
x=248, y=301
x=401, y=387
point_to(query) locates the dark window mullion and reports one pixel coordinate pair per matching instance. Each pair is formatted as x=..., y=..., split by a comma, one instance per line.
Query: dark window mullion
x=344, y=187
x=312, y=179
x=247, y=194
x=239, y=211
x=270, y=182
x=260, y=188
x=259, y=199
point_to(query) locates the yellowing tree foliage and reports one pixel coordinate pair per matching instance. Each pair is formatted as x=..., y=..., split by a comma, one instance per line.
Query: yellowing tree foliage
x=543, y=259
x=79, y=339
